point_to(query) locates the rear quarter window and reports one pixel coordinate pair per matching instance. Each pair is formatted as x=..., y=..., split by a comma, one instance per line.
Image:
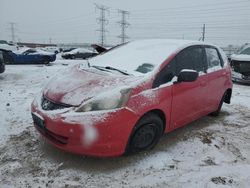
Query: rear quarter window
x=213, y=58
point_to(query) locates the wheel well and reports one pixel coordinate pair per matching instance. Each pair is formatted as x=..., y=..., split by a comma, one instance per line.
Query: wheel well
x=159, y=113
x=228, y=95
x=47, y=58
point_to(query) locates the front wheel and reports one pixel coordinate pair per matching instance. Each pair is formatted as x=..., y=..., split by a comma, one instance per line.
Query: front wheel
x=146, y=134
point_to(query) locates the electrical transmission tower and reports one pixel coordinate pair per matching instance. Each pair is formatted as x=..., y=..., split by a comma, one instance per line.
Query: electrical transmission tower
x=203, y=32
x=12, y=30
x=124, y=24
x=103, y=22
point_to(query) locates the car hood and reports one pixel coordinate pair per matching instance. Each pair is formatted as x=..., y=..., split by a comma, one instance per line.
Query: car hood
x=41, y=52
x=240, y=57
x=76, y=85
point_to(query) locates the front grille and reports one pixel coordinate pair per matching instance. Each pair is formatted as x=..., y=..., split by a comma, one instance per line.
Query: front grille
x=50, y=105
x=242, y=67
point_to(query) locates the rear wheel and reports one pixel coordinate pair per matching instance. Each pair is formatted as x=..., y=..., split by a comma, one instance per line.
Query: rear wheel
x=217, y=112
x=146, y=134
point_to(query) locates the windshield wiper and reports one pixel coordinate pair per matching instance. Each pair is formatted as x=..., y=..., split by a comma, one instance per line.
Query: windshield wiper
x=109, y=68
x=100, y=68
x=112, y=68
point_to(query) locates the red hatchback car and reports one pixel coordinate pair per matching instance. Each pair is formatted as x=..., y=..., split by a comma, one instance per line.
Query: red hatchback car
x=123, y=100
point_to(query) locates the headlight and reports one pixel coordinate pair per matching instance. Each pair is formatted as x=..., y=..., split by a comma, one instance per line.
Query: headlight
x=106, y=101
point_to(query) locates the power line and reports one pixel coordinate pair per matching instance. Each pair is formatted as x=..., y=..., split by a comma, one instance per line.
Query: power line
x=198, y=6
x=124, y=24
x=103, y=22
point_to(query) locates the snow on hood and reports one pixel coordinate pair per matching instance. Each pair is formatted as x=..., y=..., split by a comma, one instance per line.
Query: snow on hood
x=75, y=85
x=240, y=57
x=37, y=51
x=80, y=50
x=44, y=52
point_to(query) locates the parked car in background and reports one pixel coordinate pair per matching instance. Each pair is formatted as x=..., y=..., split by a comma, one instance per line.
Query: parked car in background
x=125, y=99
x=31, y=56
x=68, y=49
x=2, y=65
x=52, y=49
x=240, y=64
x=7, y=46
x=79, y=53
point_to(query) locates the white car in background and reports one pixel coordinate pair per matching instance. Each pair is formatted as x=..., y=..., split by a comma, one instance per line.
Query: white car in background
x=7, y=46
x=52, y=49
x=240, y=64
x=79, y=53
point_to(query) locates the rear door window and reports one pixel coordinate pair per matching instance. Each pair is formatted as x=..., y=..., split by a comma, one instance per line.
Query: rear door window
x=213, y=58
x=191, y=58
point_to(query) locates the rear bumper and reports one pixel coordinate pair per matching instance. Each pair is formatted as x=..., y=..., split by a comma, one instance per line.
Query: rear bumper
x=100, y=134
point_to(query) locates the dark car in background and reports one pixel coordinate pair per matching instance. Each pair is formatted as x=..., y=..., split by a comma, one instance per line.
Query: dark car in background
x=2, y=65
x=240, y=64
x=31, y=56
x=79, y=53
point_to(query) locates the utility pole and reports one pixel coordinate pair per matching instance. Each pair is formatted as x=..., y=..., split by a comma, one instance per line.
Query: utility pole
x=103, y=22
x=203, y=32
x=124, y=24
x=12, y=30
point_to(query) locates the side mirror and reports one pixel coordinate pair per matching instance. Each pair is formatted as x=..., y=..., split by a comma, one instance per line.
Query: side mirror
x=187, y=75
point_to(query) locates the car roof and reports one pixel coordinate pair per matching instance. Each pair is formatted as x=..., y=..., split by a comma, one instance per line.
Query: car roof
x=178, y=43
x=138, y=52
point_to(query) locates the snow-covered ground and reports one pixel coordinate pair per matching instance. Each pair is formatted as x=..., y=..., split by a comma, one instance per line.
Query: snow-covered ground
x=211, y=152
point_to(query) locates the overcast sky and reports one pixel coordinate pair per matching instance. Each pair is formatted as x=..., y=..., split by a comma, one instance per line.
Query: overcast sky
x=64, y=21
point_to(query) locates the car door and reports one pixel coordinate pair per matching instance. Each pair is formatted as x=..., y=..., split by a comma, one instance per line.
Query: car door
x=188, y=97
x=217, y=77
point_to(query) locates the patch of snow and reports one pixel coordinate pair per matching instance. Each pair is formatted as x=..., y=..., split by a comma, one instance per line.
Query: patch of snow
x=241, y=57
x=213, y=69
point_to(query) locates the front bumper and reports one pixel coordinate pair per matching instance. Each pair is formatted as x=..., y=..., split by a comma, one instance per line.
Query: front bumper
x=101, y=134
x=237, y=77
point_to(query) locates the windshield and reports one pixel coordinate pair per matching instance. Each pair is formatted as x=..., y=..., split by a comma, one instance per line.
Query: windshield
x=246, y=51
x=138, y=57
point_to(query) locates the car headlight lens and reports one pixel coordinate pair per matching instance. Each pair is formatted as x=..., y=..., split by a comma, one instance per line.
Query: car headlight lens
x=106, y=101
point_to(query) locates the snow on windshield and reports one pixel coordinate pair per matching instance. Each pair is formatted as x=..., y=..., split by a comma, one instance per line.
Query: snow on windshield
x=246, y=51
x=141, y=56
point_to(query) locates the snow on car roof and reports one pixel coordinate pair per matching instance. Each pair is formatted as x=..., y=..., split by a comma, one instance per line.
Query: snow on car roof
x=21, y=50
x=136, y=53
x=82, y=50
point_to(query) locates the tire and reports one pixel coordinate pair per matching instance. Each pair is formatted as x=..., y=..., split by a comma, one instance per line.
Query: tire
x=46, y=61
x=217, y=112
x=146, y=134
